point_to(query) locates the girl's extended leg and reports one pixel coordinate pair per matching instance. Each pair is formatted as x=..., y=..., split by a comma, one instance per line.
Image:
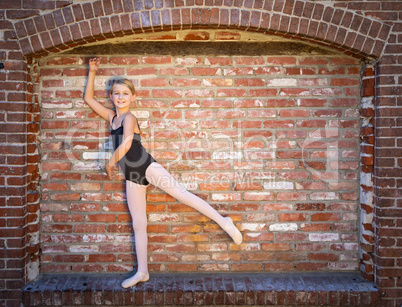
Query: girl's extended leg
x=160, y=177
x=136, y=199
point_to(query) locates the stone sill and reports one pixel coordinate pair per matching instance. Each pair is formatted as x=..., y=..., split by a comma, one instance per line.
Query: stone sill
x=172, y=289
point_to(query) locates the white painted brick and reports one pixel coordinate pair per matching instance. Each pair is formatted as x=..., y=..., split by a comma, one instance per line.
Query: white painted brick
x=257, y=155
x=153, y=217
x=56, y=105
x=97, y=238
x=96, y=155
x=323, y=196
x=193, y=105
x=123, y=239
x=80, y=147
x=226, y=196
x=263, y=175
x=81, y=166
x=282, y=82
x=252, y=226
x=84, y=248
x=351, y=246
x=141, y=114
x=207, y=82
x=46, y=217
x=352, y=112
x=343, y=266
x=283, y=227
x=366, y=179
x=366, y=197
x=64, y=238
x=323, y=237
x=214, y=267
x=278, y=185
x=227, y=155
x=33, y=269
x=350, y=216
x=349, y=257
x=367, y=102
x=212, y=247
x=53, y=207
x=260, y=217
x=366, y=218
x=186, y=61
x=246, y=247
x=314, y=82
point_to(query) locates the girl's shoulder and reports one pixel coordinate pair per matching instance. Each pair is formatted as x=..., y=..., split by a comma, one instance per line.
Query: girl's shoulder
x=130, y=117
x=131, y=120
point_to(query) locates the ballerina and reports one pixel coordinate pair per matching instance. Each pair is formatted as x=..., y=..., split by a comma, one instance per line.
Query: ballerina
x=140, y=169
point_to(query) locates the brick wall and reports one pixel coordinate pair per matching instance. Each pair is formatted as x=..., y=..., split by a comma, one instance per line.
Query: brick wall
x=370, y=30
x=269, y=140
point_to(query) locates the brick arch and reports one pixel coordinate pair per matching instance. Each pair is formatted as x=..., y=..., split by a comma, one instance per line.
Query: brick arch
x=82, y=23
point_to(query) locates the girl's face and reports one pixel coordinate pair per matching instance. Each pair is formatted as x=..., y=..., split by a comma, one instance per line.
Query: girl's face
x=121, y=96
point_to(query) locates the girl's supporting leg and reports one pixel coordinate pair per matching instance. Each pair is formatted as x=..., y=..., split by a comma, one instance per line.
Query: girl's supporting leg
x=136, y=199
x=157, y=175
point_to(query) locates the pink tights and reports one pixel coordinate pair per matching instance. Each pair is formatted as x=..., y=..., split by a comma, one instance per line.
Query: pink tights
x=158, y=176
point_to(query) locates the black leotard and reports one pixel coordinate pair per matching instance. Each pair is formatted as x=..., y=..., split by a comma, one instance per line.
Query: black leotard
x=136, y=160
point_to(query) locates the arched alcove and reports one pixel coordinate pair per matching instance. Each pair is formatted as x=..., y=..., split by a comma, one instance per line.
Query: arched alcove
x=264, y=128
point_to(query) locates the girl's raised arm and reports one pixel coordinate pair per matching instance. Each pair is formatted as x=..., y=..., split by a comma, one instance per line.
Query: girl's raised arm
x=95, y=105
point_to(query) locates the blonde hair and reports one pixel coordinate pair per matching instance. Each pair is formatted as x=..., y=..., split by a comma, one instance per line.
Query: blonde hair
x=125, y=82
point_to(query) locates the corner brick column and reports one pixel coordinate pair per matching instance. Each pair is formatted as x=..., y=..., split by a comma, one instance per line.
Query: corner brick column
x=387, y=181
x=13, y=178
x=19, y=198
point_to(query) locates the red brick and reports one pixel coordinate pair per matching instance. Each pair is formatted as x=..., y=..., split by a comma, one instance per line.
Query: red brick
x=315, y=227
x=294, y=113
x=89, y=228
x=69, y=258
x=205, y=71
x=196, y=36
x=227, y=36
x=262, y=92
x=285, y=217
x=344, y=82
x=289, y=196
x=230, y=114
x=325, y=217
x=249, y=82
x=100, y=258
x=221, y=61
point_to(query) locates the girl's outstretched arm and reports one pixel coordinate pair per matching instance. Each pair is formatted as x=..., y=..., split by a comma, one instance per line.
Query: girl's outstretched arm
x=95, y=105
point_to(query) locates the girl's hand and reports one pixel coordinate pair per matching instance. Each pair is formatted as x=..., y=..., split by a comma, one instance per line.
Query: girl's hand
x=109, y=171
x=94, y=64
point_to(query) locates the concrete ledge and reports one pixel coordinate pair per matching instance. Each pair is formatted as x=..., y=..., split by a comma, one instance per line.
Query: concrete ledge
x=200, y=289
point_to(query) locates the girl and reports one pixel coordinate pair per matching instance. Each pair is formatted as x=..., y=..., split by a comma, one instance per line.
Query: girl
x=140, y=169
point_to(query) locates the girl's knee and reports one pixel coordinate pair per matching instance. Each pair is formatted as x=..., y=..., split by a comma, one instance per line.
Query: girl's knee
x=139, y=226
